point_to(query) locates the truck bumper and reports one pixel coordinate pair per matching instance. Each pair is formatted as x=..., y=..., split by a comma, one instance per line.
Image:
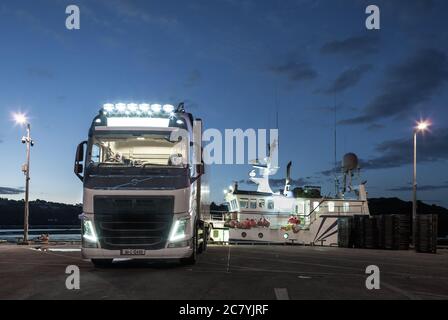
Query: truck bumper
x=162, y=254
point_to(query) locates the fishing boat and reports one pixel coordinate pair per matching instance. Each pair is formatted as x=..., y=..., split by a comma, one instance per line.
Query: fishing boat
x=300, y=215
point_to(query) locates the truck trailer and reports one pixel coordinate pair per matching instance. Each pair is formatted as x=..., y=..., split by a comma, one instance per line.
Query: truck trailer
x=143, y=195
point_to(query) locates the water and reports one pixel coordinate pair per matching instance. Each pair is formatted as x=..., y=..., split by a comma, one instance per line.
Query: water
x=11, y=235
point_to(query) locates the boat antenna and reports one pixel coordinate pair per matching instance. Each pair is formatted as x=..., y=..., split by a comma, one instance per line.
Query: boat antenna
x=336, y=180
x=276, y=113
x=276, y=110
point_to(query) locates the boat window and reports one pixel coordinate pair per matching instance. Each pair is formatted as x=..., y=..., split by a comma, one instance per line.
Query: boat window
x=301, y=207
x=253, y=203
x=331, y=206
x=234, y=204
x=244, y=203
x=270, y=204
x=346, y=207
x=261, y=204
x=296, y=209
x=316, y=206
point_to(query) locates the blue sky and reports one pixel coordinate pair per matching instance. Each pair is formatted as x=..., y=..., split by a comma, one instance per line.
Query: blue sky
x=234, y=62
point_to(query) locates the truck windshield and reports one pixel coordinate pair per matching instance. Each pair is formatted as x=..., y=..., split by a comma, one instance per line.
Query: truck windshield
x=142, y=150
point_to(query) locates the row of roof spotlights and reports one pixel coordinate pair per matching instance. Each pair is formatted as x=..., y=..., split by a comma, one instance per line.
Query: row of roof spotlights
x=134, y=107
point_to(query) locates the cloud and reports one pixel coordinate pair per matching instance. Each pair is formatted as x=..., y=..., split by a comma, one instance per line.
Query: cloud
x=399, y=152
x=11, y=191
x=40, y=73
x=420, y=188
x=340, y=106
x=406, y=86
x=295, y=71
x=349, y=78
x=193, y=79
x=354, y=46
x=375, y=126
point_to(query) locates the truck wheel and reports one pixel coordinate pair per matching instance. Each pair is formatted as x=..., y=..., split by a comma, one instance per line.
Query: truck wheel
x=205, y=236
x=191, y=260
x=102, y=263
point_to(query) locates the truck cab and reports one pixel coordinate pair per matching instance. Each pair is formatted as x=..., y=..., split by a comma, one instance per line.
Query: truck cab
x=141, y=169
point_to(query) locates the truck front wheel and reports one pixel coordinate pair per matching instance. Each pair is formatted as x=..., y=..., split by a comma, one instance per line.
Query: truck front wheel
x=205, y=236
x=191, y=260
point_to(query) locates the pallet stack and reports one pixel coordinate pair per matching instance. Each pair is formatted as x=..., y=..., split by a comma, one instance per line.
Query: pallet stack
x=380, y=224
x=426, y=233
x=371, y=233
x=345, y=227
x=404, y=231
x=359, y=231
x=390, y=232
x=396, y=232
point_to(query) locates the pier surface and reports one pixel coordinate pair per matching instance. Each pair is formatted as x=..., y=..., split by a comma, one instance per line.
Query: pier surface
x=223, y=272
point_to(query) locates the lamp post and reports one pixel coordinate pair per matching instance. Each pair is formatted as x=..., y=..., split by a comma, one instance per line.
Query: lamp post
x=421, y=127
x=21, y=119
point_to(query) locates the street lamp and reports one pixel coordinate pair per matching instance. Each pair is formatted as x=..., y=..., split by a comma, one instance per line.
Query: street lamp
x=421, y=127
x=21, y=119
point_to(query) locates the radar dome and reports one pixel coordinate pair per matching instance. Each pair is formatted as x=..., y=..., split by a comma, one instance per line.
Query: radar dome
x=350, y=162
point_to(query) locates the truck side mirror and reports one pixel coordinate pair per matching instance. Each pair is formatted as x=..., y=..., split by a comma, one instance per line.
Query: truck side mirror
x=80, y=152
x=79, y=168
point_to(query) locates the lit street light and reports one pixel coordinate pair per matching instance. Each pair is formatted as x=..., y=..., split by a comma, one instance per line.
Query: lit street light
x=421, y=127
x=21, y=119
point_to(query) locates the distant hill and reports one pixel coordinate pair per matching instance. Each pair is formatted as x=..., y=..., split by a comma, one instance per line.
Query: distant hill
x=218, y=208
x=42, y=213
x=395, y=205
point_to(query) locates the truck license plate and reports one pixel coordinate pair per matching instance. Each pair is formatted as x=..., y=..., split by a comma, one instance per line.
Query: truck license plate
x=133, y=252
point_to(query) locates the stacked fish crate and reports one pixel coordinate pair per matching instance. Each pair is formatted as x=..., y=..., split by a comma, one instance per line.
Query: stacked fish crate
x=426, y=233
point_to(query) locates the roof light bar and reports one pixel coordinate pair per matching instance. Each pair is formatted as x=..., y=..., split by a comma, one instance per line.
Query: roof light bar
x=156, y=107
x=121, y=107
x=109, y=107
x=144, y=107
x=132, y=107
x=139, y=110
x=168, y=108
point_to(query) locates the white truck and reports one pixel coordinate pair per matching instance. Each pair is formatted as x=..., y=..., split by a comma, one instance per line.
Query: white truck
x=142, y=173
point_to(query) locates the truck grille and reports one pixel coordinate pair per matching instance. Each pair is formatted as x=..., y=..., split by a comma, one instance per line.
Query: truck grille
x=133, y=222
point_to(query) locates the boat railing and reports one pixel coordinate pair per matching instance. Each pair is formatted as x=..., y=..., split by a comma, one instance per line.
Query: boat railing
x=338, y=210
x=216, y=215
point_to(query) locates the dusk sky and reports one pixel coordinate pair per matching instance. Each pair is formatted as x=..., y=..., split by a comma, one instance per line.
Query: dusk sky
x=234, y=63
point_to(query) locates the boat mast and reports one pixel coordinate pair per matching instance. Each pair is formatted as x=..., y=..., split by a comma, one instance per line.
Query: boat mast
x=336, y=180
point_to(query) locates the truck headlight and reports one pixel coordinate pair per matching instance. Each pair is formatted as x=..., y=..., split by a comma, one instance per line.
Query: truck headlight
x=179, y=230
x=89, y=232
